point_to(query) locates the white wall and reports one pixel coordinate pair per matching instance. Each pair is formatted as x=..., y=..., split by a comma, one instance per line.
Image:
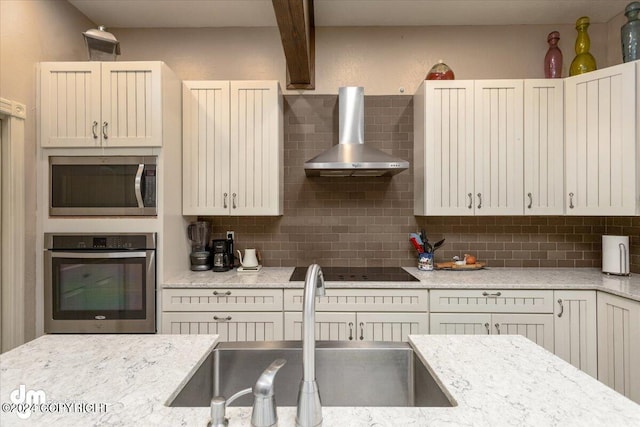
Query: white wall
x=382, y=59
x=32, y=31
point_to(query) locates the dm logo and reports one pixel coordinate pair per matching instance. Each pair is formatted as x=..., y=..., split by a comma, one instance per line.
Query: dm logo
x=26, y=399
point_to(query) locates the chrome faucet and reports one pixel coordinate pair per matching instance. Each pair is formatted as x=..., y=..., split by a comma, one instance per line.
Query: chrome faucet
x=264, y=404
x=309, y=411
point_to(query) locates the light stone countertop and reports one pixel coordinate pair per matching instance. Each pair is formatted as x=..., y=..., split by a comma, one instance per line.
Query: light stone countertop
x=495, y=278
x=495, y=380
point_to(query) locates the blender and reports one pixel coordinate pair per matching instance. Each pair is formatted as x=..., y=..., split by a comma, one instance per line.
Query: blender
x=198, y=233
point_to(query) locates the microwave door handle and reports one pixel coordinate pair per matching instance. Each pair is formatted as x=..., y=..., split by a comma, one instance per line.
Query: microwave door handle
x=97, y=255
x=138, y=185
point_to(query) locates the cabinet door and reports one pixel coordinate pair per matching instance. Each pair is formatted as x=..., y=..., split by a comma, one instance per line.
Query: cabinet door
x=205, y=148
x=391, y=326
x=70, y=104
x=537, y=327
x=256, y=185
x=232, y=326
x=131, y=104
x=600, y=158
x=329, y=326
x=498, y=147
x=448, y=153
x=460, y=324
x=543, y=147
x=619, y=344
x=575, y=329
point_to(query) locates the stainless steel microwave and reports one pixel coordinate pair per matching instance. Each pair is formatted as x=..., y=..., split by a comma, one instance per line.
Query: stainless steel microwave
x=103, y=185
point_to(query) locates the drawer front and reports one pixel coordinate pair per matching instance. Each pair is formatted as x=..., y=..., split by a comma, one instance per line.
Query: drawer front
x=329, y=326
x=491, y=301
x=231, y=326
x=398, y=300
x=230, y=299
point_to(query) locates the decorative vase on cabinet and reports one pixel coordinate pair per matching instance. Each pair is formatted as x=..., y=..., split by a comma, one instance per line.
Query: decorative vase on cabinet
x=553, y=58
x=630, y=33
x=584, y=61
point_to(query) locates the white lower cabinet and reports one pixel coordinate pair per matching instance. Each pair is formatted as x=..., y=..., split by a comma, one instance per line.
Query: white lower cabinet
x=231, y=326
x=537, y=327
x=574, y=320
x=619, y=344
x=234, y=314
x=360, y=314
x=493, y=311
x=358, y=326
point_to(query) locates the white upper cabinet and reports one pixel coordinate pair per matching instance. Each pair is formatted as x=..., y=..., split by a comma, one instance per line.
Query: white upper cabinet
x=103, y=104
x=601, y=155
x=232, y=148
x=443, y=148
x=498, y=147
x=468, y=147
x=543, y=147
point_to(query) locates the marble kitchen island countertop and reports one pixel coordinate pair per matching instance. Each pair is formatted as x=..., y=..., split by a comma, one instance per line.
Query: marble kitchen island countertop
x=494, y=380
x=503, y=278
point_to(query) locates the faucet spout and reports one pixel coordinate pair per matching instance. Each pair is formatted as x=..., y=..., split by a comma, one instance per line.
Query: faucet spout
x=309, y=411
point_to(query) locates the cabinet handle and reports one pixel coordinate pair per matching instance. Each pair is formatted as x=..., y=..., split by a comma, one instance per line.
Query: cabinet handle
x=479, y=200
x=225, y=200
x=571, y=201
x=486, y=325
x=561, y=308
x=488, y=294
x=227, y=293
x=94, y=130
x=234, y=200
x=350, y=331
x=361, y=331
x=530, y=200
x=470, y=200
x=104, y=130
x=222, y=319
x=497, y=325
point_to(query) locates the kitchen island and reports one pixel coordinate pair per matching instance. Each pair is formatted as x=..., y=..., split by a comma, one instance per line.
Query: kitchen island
x=128, y=380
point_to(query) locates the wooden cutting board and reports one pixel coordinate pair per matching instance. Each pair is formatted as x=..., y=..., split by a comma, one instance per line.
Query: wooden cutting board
x=452, y=266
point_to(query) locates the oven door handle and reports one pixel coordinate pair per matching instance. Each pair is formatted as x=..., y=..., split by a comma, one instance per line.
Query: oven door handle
x=137, y=187
x=124, y=254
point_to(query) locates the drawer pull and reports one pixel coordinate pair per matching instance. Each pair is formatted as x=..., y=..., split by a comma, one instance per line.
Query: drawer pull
x=497, y=325
x=227, y=293
x=350, y=331
x=488, y=294
x=486, y=325
x=222, y=319
x=361, y=331
x=561, y=308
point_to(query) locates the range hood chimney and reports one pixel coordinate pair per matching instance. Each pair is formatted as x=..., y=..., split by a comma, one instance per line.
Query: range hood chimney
x=351, y=157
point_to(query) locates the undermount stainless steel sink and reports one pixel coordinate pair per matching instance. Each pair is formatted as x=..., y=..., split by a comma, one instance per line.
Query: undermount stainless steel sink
x=348, y=374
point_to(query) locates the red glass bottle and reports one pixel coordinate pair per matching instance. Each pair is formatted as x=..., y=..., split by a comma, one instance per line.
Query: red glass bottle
x=440, y=71
x=553, y=58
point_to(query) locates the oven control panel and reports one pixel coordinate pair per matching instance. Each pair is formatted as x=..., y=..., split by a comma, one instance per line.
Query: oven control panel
x=102, y=241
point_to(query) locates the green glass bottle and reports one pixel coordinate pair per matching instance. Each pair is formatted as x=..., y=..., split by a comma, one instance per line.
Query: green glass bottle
x=584, y=61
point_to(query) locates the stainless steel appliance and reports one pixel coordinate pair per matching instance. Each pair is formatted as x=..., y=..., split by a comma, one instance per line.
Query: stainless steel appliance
x=351, y=157
x=221, y=253
x=100, y=283
x=198, y=233
x=103, y=185
x=358, y=274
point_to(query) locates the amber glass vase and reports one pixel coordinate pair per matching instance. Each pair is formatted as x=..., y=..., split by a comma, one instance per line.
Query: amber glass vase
x=584, y=61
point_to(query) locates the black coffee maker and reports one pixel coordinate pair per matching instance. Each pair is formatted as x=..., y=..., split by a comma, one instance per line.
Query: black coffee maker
x=222, y=254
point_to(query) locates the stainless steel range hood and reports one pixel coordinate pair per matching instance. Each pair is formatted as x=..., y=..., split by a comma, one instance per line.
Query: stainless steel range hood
x=351, y=157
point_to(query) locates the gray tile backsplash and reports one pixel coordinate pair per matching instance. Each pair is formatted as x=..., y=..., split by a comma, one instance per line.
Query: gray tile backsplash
x=366, y=221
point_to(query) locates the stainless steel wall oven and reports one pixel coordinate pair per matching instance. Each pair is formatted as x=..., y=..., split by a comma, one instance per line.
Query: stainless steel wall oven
x=102, y=283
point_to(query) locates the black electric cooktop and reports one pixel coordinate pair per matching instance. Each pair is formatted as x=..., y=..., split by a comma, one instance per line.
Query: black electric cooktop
x=357, y=274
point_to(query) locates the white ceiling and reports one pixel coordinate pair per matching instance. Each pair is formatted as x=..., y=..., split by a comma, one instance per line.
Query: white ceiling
x=259, y=13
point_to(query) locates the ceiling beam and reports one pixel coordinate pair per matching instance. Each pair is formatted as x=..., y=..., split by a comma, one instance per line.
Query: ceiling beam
x=297, y=31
